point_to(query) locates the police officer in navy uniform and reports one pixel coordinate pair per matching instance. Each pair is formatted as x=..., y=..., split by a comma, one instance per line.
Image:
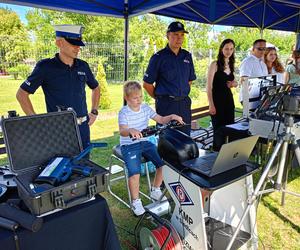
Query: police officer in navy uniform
x=63, y=79
x=169, y=75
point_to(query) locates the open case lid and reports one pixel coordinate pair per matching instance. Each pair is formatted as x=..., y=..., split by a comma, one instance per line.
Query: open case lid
x=33, y=140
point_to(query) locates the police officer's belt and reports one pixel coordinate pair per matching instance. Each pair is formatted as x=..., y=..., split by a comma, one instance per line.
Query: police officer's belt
x=175, y=98
x=81, y=120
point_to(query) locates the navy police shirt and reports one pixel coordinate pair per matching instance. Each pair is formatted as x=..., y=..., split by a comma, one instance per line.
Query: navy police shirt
x=170, y=72
x=62, y=85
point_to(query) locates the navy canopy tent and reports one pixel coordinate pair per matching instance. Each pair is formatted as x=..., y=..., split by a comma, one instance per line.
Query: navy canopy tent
x=262, y=14
x=115, y=8
x=270, y=14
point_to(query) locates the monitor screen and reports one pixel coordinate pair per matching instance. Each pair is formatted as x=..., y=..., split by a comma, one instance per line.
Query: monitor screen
x=257, y=87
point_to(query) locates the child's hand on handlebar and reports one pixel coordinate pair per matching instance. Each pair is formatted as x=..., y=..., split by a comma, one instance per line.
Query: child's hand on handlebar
x=177, y=118
x=135, y=134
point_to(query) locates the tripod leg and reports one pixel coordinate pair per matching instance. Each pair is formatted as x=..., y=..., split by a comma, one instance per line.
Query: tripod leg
x=253, y=197
x=281, y=165
x=285, y=179
x=297, y=152
x=268, y=167
x=283, y=194
x=263, y=188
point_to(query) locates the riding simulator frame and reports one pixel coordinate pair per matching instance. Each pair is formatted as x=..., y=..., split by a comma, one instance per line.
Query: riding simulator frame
x=206, y=209
x=219, y=213
x=287, y=102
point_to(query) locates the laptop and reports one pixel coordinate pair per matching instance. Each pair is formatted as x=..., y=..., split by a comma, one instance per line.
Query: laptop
x=231, y=155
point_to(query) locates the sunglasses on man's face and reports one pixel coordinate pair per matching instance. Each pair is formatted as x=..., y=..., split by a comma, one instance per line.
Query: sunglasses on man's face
x=261, y=48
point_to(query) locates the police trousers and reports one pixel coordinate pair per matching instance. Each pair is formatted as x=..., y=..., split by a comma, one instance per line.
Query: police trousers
x=167, y=105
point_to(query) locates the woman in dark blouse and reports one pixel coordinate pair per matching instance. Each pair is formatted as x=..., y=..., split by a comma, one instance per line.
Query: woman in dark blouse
x=220, y=80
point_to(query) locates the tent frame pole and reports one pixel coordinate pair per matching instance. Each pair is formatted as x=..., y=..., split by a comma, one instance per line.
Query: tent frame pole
x=126, y=32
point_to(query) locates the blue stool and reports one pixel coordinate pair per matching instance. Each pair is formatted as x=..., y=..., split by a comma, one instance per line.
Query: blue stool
x=117, y=156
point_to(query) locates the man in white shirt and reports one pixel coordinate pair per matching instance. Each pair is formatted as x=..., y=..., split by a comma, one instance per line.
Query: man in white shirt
x=254, y=66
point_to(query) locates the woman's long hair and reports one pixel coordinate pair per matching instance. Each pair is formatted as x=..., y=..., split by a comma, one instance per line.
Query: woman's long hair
x=276, y=64
x=220, y=59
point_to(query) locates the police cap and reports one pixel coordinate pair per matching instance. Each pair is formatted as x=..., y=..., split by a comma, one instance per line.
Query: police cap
x=72, y=33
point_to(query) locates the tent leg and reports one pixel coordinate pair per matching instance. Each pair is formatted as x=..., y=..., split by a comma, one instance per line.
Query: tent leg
x=261, y=33
x=297, y=41
x=126, y=31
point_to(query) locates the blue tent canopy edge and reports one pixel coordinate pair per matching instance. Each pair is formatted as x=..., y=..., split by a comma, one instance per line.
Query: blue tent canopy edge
x=263, y=14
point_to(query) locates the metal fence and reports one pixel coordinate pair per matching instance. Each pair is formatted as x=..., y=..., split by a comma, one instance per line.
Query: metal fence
x=111, y=56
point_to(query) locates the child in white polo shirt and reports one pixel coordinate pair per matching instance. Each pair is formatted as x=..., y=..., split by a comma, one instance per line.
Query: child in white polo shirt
x=133, y=118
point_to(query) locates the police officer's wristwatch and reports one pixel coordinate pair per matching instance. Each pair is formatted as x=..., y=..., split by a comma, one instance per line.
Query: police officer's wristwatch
x=94, y=111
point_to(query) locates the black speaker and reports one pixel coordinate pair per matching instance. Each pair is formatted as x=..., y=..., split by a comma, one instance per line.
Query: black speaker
x=176, y=147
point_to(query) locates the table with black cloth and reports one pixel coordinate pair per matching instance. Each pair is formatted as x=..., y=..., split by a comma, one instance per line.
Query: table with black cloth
x=88, y=226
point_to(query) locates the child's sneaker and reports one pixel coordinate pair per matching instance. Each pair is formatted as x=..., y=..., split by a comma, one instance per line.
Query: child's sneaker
x=137, y=207
x=156, y=193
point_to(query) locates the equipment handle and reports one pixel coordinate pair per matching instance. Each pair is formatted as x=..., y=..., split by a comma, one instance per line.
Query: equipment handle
x=98, y=144
x=89, y=148
x=82, y=170
x=61, y=203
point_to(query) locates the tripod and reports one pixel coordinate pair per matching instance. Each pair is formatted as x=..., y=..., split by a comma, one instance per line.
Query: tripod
x=286, y=139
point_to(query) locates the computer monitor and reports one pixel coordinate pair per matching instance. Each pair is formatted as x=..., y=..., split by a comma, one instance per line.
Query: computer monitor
x=256, y=89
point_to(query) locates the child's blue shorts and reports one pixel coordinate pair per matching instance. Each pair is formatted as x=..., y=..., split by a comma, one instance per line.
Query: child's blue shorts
x=132, y=155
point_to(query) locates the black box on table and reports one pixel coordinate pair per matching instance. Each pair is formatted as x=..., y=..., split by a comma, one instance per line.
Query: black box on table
x=31, y=142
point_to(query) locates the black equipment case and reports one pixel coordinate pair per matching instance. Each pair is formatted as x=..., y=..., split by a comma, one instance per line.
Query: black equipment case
x=176, y=147
x=31, y=141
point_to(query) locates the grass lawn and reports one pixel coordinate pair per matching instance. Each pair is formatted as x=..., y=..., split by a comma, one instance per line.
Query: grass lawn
x=278, y=227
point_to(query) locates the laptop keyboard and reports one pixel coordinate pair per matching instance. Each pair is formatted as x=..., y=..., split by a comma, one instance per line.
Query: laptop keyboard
x=203, y=164
x=206, y=166
x=210, y=158
x=208, y=162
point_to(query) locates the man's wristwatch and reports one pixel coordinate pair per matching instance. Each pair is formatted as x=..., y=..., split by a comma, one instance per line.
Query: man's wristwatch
x=94, y=111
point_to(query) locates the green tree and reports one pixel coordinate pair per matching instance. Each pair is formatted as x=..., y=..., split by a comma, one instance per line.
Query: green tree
x=147, y=33
x=14, y=39
x=201, y=66
x=97, y=29
x=22, y=70
x=244, y=38
x=198, y=35
x=10, y=23
x=106, y=30
x=105, y=101
x=148, y=28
